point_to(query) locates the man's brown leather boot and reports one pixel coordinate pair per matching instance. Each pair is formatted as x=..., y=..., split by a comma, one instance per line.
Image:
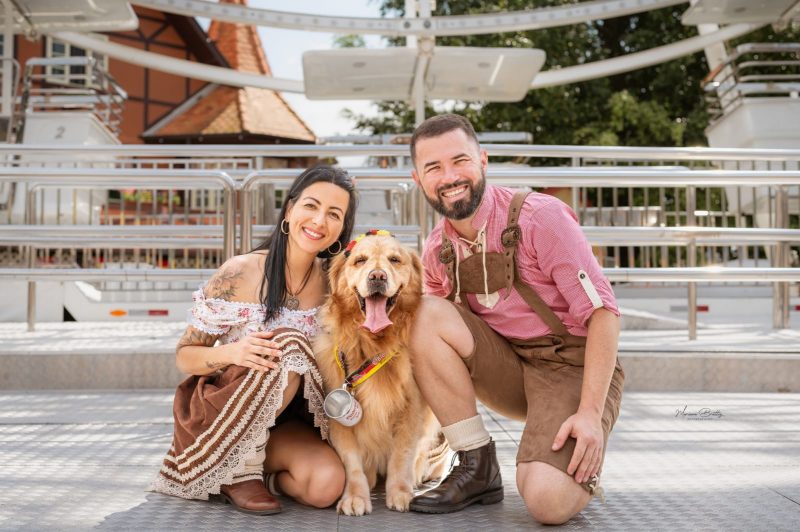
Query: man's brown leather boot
x=251, y=497
x=476, y=479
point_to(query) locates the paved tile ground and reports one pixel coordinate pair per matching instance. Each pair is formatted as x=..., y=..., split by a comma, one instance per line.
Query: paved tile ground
x=81, y=460
x=132, y=337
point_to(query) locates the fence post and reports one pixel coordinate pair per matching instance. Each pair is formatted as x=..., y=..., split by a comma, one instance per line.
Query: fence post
x=229, y=223
x=422, y=214
x=691, y=261
x=245, y=220
x=30, y=219
x=576, y=163
x=780, y=290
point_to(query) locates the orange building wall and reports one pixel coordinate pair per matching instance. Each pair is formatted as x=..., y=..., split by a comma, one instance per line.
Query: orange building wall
x=157, y=93
x=151, y=94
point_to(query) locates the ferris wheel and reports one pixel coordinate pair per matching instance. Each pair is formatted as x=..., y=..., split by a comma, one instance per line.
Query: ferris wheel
x=422, y=69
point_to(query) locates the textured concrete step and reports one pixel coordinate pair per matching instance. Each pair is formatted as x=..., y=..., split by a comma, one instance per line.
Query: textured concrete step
x=140, y=355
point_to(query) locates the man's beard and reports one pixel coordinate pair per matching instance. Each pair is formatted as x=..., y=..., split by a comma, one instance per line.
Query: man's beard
x=463, y=208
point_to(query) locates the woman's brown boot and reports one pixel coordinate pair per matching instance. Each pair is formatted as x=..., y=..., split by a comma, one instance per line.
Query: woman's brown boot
x=251, y=497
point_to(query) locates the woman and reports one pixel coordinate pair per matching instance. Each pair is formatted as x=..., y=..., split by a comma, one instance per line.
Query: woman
x=262, y=309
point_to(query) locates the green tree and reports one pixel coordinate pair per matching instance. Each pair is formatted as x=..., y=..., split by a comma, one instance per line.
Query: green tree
x=349, y=41
x=662, y=105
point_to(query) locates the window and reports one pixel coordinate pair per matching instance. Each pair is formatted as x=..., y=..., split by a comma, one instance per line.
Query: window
x=72, y=74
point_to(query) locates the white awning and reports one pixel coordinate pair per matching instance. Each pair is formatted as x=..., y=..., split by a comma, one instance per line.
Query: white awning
x=736, y=11
x=73, y=15
x=463, y=73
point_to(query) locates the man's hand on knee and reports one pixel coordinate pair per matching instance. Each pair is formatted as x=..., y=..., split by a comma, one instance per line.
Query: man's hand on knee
x=587, y=429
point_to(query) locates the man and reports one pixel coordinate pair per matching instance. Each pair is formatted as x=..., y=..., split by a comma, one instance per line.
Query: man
x=528, y=305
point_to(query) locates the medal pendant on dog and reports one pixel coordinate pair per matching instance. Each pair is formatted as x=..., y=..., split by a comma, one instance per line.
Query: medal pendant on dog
x=342, y=406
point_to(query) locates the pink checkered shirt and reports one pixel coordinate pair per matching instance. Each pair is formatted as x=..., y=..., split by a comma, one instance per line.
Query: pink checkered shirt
x=551, y=252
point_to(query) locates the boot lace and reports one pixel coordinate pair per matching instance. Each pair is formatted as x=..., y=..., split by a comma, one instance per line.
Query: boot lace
x=457, y=470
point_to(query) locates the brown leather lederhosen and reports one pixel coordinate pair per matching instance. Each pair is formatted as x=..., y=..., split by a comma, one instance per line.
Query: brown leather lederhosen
x=536, y=379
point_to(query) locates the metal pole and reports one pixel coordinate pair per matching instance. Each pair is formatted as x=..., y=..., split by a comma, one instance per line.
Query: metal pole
x=30, y=220
x=245, y=223
x=691, y=261
x=229, y=230
x=7, y=89
x=411, y=12
x=424, y=53
x=576, y=162
x=780, y=291
x=422, y=215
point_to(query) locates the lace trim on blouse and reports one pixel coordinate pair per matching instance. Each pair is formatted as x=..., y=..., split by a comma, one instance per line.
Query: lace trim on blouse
x=233, y=320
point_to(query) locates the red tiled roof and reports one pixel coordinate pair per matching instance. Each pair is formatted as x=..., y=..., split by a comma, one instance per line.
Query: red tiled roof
x=240, y=44
x=236, y=111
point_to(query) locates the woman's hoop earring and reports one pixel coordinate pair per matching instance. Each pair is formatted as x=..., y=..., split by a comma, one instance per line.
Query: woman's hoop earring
x=284, y=231
x=337, y=251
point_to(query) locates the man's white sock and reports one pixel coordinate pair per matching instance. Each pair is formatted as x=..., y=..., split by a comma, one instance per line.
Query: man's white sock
x=466, y=434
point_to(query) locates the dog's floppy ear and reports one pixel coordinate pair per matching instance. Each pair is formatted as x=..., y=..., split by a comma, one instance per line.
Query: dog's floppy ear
x=335, y=270
x=416, y=265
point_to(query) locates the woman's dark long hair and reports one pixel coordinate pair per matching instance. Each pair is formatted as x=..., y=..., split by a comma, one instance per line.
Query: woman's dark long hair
x=273, y=284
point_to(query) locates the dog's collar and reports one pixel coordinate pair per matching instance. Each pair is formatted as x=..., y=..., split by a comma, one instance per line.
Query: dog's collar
x=367, y=369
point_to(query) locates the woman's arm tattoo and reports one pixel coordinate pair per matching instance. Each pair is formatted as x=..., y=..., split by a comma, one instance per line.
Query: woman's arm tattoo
x=223, y=284
x=194, y=337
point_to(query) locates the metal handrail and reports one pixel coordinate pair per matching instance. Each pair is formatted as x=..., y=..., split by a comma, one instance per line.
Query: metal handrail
x=39, y=177
x=714, y=274
x=676, y=275
x=394, y=150
x=121, y=178
x=727, y=85
x=111, y=242
x=103, y=95
x=706, y=236
x=122, y=231
x=538, y=177
x=96, y=274
x=141, y=236
x=118, y=177
x=377, y=177
x=763, y=47
x=180, y=236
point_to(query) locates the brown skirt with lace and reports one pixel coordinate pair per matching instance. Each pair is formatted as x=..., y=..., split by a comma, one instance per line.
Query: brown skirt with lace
x=221, y=420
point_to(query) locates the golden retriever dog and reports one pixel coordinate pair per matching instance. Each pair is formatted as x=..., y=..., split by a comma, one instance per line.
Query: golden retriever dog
x=375, y=288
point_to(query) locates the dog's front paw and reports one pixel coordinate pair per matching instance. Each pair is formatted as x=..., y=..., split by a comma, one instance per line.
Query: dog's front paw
x=354, y=505
x=398, y=500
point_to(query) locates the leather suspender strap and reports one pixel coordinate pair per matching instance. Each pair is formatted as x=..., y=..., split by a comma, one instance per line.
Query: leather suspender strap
x=509, y=238
x=447, y=256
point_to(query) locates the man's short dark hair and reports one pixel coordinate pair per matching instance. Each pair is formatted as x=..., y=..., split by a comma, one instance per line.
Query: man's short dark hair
x=439, y=125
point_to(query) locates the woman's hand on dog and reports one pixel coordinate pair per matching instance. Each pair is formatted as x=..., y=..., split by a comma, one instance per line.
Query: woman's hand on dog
x=255, y=351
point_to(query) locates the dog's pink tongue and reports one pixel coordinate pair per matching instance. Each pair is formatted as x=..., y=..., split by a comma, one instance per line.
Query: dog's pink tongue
x=377, y=320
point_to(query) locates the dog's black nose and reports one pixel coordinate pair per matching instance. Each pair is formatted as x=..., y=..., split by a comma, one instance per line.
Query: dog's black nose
x=377, y=275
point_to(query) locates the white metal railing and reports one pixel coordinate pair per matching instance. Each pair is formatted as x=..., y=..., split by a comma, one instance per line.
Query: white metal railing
x=37, y=178
x=9, y=85
x=616, y=153
x=753, y=69
x=670, y=275
x=72, y=83
x=417, y=216
x=177, y=236
x=92, y=178
x=540, y=177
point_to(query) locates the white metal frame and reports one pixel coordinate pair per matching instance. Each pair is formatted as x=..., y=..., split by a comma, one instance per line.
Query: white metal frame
x=427, y=25
x=67, y=77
